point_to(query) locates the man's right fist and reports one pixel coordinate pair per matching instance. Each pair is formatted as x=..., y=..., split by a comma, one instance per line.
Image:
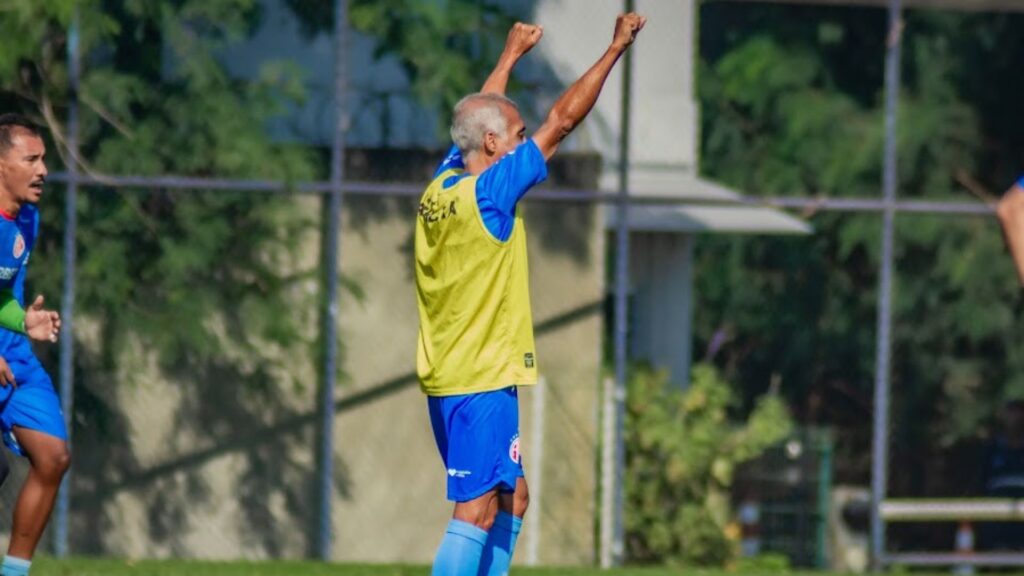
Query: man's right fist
x=523, y=37
x=626, y=28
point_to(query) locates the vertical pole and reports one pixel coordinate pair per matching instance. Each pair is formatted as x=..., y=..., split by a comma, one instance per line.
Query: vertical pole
x=536, y=456
x=880, y=447
x=823, y=441
x=331, y=251
x=617, y=550
x=67, y=373
x=607, y=471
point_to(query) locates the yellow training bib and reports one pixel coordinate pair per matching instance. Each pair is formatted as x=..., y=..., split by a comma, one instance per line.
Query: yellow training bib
x=476, y=332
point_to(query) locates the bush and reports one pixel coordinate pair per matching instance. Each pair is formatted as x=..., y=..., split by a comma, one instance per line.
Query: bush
x=681, y=452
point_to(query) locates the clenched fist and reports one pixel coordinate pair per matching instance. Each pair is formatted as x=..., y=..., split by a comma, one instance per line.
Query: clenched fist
x=523, y=37
x=627, y=26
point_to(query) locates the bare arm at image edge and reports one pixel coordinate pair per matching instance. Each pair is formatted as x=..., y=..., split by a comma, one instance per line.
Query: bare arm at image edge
x=1011, y=216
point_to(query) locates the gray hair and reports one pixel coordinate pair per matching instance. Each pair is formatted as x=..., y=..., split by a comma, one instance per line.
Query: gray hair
x=475, y=116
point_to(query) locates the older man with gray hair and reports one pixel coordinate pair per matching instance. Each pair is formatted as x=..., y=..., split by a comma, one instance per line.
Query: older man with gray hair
x=472, y=286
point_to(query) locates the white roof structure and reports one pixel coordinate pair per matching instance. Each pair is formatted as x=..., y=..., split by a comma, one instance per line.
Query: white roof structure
x=716, y=216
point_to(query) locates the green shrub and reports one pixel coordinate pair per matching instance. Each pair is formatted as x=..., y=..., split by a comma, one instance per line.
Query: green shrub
x=681, y=451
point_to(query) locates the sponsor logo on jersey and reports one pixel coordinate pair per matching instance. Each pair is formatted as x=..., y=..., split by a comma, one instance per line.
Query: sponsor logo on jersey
x=19, y=246
x=458, y=473
x=7, y=273
x=528, y=359
x=433, y=210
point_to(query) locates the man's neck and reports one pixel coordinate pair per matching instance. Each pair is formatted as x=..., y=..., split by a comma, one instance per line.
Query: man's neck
x=9, y=206
x=477, y=163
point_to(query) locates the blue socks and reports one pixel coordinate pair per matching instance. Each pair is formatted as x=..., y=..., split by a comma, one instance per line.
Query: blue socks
x=459, y=553
x=501, y=543
x=15, y=566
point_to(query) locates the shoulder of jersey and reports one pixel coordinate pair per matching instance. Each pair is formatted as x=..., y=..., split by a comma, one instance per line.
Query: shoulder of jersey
x=9, y=242
x=8, y=227
x=28, y=212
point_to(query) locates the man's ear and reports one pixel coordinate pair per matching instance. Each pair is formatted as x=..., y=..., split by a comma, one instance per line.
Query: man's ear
x=490, y=143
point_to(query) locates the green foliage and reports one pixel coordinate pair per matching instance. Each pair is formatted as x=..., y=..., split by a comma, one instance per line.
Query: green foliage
x=445, y=48
x=211, y=291
x=180, y=270
x=681, y=452
x=791, y=106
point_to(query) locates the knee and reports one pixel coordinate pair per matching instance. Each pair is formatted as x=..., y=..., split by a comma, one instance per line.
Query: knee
x=480, y=512
x=53, y=465
x=481, y=518
x=485, y=521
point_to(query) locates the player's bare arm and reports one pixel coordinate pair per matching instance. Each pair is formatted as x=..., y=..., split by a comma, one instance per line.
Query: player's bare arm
x=575, y=103
x=521, y=39
x=1011, y=216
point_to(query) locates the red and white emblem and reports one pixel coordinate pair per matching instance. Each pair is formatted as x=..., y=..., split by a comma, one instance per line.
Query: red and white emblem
x=19, y=246
x=513, y=450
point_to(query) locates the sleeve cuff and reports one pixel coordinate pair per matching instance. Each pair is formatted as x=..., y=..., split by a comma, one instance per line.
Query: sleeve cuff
x=542, y=172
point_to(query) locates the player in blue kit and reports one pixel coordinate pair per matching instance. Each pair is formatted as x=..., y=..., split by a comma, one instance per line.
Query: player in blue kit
x=476, y=344
x=31, y=419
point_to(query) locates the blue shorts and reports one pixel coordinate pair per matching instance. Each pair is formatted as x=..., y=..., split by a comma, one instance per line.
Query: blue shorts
x=33, y=404
x=478, y=437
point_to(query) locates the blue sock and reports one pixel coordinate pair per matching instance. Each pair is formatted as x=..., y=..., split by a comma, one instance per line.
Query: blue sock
x=15, y=566
x=459, y=553
x=501, y=543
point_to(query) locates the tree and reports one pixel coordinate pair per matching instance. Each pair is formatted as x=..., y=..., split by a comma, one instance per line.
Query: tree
x=791, y=102
x=209, y=284
x=445, y=48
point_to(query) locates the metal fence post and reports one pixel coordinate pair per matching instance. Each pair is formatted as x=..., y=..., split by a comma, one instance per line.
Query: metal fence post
x=612, y=552
x=67, y=366
x=880, y=441
x=332, y=247
x=536, y=456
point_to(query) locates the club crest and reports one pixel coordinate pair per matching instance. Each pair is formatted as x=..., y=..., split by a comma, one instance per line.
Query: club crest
x=513, y=450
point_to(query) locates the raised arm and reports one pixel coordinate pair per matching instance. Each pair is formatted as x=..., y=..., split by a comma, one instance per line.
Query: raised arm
x=521, y=38
x=1011, y=216
x=575, y=103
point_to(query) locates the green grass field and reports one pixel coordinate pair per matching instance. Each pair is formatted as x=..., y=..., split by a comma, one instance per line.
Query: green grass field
x=107, y=567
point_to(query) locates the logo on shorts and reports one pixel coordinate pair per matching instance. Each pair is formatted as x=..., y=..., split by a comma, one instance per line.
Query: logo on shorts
x=19, y=246
x=458, y=473
x=513, y=449
x=528, y=359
